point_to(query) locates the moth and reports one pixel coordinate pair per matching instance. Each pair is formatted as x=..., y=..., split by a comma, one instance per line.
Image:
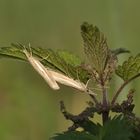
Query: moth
x=52, y=77
x=60, y=78
x=46, y=75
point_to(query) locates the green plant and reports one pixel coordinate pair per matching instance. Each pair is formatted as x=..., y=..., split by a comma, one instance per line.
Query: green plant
x=102, y=65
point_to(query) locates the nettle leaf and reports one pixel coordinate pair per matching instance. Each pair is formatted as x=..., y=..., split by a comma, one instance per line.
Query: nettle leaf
x=75, y=135
x=63, y=62
x=51, y=57
x=136, y=133
x=101, y=59
x=12, y=52
x=90, y=127
x=135, y=121
x=95, y=46
x=116, y=129
x=69, y=57
x=129, y=68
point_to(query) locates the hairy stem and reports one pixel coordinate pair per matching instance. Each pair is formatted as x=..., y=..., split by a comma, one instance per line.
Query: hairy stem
x=105, y=112
x=105, y=103
x=122, y=87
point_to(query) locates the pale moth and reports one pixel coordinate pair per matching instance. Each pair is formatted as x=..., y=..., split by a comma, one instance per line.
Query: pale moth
x=46, y=75
x=52, y=77
x=60, y=78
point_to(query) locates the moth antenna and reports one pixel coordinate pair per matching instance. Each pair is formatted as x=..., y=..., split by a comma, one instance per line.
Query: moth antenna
x=87, y=82
x=99, y=89
x=30, y=50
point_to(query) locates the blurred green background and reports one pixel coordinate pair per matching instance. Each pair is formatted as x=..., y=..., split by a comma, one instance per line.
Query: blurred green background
x=29, y=109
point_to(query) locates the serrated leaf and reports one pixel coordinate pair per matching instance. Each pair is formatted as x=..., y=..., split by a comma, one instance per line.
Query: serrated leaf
x=49, y=58
x=69, y=58
x=95, y=46
x=101, y=59
x=129, y=68
x=90, y=127
x=116, y=129
x=75, y=135
x=12, y=52
x=135, y=121
x=63, y=63
x=136, y=136
x=52, y=57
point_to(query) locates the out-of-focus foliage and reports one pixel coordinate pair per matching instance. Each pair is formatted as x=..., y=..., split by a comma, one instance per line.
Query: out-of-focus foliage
x=117, y=128
x=73, y=136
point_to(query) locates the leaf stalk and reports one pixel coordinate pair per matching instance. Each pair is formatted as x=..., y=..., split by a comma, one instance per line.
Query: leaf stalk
x=122, y=87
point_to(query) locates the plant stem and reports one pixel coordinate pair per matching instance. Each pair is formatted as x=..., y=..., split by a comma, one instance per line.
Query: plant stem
x=105, y=112
x=104, y=97
x=122, y=87
x=105, y=116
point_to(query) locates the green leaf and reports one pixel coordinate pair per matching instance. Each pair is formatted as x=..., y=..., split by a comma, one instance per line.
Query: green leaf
x=69, y=57
x=101, y=59
x=136, y=135
x=12, y=52
x=129, y=68
x=63, y=62
x=116, y=129
x=59, y=63
x=95, y=46
x=90, y=127
x=75, y=135
x=135, y=121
